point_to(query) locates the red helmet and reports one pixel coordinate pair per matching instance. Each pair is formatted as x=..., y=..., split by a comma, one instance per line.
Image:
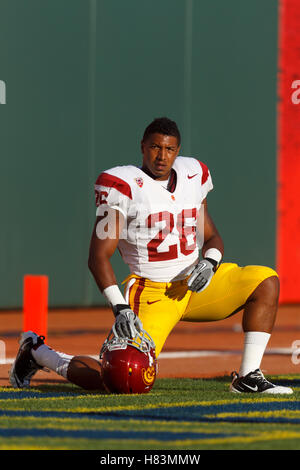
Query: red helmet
x=128, y=365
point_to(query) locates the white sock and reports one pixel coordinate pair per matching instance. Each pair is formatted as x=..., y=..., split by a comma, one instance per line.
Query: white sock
x=255, y=343
x=56, y=361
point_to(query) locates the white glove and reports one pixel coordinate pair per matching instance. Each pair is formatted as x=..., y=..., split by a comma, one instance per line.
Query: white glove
x=201, y=276
x=127, y=324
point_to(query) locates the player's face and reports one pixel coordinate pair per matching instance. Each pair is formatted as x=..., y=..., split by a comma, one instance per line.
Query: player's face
x=159, y=152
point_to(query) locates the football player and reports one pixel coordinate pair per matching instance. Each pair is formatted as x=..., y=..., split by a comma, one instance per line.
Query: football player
x=157, y=216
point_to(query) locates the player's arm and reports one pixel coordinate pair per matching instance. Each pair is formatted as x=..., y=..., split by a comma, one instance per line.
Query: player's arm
x=102, y=247
x=213, y=246
x=104, y=241
x=212, y=253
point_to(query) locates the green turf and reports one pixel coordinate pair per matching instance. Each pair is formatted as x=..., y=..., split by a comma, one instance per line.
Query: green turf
x=178, y=414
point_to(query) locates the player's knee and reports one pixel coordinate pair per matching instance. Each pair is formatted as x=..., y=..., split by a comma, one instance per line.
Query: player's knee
x=85, y=372
x=268, y=290
x=273, y=287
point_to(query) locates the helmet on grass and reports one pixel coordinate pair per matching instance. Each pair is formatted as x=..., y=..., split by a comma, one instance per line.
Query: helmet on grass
x=128, y=365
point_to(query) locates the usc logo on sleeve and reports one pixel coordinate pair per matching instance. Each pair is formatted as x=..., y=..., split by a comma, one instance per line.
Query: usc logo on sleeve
x=139, y=182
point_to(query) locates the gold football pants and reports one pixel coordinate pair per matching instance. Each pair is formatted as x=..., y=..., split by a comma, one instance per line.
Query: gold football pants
x=161, y=305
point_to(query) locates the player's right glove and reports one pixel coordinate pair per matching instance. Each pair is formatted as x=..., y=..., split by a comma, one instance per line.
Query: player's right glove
x=127, y=324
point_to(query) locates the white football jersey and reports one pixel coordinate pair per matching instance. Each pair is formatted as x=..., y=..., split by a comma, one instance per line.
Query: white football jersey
x=158, y=240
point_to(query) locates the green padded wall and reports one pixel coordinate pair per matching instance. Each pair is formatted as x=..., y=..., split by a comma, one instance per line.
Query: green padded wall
x=83, y=79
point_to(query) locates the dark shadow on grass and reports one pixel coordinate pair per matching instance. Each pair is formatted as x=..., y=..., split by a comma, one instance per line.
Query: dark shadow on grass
x=67, y=388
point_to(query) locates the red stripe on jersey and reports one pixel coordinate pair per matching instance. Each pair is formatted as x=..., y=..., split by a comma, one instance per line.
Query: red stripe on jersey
x=111, y=181
x=205, y=172
x=136, y=300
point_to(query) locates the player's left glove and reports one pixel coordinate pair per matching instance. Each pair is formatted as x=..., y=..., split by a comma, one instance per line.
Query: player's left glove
x=127, y=324
x=201, y=275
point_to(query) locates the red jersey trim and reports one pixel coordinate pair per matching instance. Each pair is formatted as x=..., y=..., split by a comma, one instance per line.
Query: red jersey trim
x=111, y=181
x=205, y=172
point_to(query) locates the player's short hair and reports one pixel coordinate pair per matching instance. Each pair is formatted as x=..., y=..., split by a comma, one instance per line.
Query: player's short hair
x=163, y=126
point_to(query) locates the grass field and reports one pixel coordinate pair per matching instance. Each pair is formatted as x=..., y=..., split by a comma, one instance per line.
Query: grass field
x=179, y=414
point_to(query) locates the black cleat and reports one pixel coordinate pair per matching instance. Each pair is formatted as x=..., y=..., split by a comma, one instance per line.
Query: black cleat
x=24, y=366
x=255, y=382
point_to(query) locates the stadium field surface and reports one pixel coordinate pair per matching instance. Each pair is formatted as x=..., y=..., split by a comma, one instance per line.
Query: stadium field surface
x=179, y=414
x=189, y=408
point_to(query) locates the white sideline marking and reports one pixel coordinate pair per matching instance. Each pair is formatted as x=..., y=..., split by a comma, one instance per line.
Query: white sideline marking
x=192, y=354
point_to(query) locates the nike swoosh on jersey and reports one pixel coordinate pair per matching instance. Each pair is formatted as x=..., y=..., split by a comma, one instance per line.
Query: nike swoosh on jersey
x=192, y=176
x=153, y=301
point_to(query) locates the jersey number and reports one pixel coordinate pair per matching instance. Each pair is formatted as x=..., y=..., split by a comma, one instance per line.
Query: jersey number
x=184, y=231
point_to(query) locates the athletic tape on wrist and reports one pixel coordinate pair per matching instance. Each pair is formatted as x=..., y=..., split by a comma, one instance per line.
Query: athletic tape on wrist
x=114, y=295
x=214, y=254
